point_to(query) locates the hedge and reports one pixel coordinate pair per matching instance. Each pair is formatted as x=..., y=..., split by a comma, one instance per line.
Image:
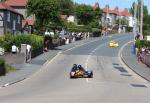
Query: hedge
x=96, y=32
x=8, y=40
x=2, y=67
x=146, y=32
x=142, y=43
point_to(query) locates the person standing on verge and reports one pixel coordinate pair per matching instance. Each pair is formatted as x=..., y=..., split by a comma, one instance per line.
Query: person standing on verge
x=14, y=49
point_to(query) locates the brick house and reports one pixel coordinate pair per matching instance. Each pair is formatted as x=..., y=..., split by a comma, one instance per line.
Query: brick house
x=10, y=20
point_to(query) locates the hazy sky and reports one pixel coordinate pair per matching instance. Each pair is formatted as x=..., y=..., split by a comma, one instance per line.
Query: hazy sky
x=113, y=3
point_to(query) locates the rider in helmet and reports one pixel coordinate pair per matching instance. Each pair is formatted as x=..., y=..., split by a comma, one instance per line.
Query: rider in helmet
x=74, y=68
x=80, y=68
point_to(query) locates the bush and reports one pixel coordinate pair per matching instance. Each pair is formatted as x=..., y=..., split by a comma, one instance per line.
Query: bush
x=8, y=40
x=2, y=62
x=2, y=67
x=76, y=28
x=146, y=32
x=129, y=29
x=142, y=43
x=96, y=32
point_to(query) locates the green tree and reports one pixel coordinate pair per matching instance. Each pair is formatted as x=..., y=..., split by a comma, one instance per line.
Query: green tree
x=138, y=6
x=146, y=22
x=46, y=12
x=86, y=15
x=66, y=7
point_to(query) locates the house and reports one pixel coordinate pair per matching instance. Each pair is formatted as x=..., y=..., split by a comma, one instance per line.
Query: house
x=125, y=14
x=106, y=14
x=10, y=20
x=111, y=16
x=20, y=6
x=71, y=18
x=115, y=14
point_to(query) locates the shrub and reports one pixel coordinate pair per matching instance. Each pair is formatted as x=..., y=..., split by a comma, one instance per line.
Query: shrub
x=146, y=32
x=8, y=40
x=76, y=28
x=142, y=43
x=96, y=32
x=2, y=62
x=129, y=29
x=2, y=67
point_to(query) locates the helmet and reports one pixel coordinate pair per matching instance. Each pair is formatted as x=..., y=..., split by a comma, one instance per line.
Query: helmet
x=79, y=66
x=74, y=65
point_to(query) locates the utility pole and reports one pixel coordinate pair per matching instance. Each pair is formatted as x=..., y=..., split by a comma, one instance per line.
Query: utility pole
x=107, y=17
x=141, y=25
x=135, y=21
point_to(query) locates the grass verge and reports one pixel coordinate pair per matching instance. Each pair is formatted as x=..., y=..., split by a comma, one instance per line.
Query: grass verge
x=9, y=68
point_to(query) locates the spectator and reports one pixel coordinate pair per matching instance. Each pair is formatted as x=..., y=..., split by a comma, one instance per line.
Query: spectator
x=28, y=52
x=14, y=49
x=28, y=48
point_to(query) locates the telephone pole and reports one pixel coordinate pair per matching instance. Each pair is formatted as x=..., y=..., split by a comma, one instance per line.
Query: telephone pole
x=141, y=24
x=135, y=20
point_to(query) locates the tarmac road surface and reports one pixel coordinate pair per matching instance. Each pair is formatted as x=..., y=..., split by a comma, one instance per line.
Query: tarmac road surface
x=112, y=81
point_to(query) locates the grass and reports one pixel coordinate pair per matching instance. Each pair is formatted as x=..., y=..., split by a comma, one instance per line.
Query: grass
x=9, y=68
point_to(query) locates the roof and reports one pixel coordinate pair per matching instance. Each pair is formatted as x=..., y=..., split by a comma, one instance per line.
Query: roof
x=106, y=9
x=125, y=13
x=4, y=6
x=115, y=11
x=16, y=2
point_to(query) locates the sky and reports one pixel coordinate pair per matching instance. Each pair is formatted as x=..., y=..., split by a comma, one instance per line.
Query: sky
x=122, y=4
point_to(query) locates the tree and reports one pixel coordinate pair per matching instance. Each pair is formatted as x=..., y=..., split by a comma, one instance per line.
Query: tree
x=146, y=21
x=138, y=6
x=66, y=7
x=86, y=15
x=46, y=12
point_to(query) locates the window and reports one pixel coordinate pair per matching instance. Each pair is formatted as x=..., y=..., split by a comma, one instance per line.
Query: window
x=14, y=25
x=1, y=21
x=8, y=16
x=18, y=19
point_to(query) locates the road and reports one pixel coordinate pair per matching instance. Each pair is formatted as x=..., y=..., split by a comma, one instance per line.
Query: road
x=112, y=81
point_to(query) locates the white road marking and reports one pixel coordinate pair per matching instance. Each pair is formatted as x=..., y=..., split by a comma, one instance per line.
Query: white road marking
x=6, y=85
x=87, y=60
x=87, y=80
x=79, y=45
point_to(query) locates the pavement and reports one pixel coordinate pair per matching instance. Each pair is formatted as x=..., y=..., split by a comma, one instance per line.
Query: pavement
x=25, y=70
x=130, y=59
